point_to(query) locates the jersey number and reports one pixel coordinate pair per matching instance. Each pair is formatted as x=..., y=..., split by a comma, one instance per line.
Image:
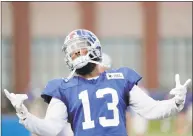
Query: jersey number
x=88, y=123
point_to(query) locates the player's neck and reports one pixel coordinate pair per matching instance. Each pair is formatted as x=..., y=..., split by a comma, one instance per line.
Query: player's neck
x=93, y=74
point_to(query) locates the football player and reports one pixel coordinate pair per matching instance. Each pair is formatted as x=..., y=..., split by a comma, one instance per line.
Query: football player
x=94, y=103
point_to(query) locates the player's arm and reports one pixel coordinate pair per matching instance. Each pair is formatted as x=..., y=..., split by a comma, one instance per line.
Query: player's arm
x=149, y=108
x=51, y=125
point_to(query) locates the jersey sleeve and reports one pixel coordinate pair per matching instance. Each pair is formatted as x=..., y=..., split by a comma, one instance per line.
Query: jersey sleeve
x=52, y=89
x=132, y=78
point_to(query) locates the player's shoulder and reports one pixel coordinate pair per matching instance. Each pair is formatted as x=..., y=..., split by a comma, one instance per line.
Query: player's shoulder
x=124, y=70
x=62, y=83
x=55, y=87
x=125, y=73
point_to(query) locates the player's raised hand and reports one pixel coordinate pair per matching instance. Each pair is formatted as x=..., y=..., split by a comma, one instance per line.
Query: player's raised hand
x=17, y=102
x=180, y=90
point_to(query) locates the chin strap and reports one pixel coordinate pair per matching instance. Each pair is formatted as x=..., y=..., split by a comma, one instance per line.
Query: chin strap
x=72, y=72
x=70, y=76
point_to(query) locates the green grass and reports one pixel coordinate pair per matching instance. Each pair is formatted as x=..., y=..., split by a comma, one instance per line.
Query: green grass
x=165, y=134
x=161, y=134
x=154, y=130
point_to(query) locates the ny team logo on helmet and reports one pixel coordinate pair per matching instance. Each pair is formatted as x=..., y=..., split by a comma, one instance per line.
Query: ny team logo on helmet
x=83, y=33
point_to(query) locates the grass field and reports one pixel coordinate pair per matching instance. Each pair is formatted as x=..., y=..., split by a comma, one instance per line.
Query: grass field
x=154, y=130
x=164, y=134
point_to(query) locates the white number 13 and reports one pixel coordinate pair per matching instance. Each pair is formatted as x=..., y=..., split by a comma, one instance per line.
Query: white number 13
x=111, y=106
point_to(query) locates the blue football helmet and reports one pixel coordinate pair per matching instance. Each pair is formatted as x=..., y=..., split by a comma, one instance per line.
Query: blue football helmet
x=77, y=40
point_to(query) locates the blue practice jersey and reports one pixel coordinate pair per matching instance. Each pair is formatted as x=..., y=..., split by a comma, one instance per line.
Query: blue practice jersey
x=95, y=107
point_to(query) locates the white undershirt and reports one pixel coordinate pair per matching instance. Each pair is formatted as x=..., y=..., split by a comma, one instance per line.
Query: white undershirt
x=55, y=122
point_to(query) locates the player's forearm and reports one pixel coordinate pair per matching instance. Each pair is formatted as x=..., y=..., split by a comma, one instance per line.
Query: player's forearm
x=149, y=108
x=43, y=127
x=160, y=110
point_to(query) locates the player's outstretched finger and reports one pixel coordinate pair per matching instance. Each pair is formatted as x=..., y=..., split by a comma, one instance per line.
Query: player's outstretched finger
x=7, y=94
x=177, y=79
x=187, y=83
